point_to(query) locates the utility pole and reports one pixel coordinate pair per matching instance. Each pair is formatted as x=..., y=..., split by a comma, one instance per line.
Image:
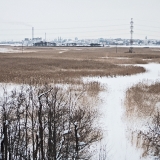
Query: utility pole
x=32, y=33
x=22, y=46
x=45, y=37
x=116, y=47
x=131, y=40
x=32, y=36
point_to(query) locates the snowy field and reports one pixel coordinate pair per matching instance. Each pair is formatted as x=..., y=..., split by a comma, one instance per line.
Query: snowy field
x=112, y=109
x=7, y=50
x=10, y=50
x=137, y=46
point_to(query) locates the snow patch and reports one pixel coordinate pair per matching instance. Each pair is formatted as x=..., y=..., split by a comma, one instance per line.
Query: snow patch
x=66, y=132
x=112, y=109
x=81, y=143
x=9, y=50
x=116, y=57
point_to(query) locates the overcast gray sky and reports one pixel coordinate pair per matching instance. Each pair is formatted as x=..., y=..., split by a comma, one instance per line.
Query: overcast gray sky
x=79, y=18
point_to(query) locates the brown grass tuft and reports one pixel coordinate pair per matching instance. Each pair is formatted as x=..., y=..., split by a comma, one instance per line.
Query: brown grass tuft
x=142, y=100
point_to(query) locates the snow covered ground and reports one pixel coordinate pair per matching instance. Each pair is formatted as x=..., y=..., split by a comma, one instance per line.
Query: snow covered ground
x=136, y=46
x=10, y=50
x=116, y=58
x=62, y=50
x=112, y=109
x=7, y=50
x=8, y=87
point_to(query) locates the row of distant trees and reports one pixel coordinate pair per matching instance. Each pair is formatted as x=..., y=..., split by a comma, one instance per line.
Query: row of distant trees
x=46, y=123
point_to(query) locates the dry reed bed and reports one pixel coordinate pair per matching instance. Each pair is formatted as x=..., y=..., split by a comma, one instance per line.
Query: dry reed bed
x=91, y=53
x=142, y=100
x=48, y=65
x=16, y=69
x=141, y=55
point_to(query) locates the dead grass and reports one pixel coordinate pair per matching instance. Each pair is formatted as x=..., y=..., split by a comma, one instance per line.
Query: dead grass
x=15, y=69
x=142, y=100
x=93, y=88
x=143, y=103
x=48, y=65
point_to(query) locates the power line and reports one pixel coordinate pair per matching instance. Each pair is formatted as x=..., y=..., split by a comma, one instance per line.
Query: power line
x=70, y=27
x=147, y=26
x=110, y=34
x=68, y=32
x=90, y=20
x=147, y=34
x=84, y=31
x=31, y=22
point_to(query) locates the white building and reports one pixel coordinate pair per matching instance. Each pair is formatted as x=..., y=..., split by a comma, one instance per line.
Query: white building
x=146, y=41
x=30, y=42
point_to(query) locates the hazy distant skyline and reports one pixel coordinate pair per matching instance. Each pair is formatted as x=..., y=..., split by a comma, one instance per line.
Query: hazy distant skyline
x=79, y=18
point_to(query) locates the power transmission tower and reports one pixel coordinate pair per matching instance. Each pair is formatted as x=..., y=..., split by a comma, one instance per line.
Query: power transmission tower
x=131, y=40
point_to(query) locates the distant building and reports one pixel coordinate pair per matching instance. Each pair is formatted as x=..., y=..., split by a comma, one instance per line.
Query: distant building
x=35, y=40
x=71, y=44
x=44, y=44
x=95, y=45
x=119, y=42
x=27, y=42
x=146, y=41
x=76, y=39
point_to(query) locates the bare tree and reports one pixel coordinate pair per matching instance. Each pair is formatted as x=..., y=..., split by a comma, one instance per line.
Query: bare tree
x=48, y=123
x=151, y=138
